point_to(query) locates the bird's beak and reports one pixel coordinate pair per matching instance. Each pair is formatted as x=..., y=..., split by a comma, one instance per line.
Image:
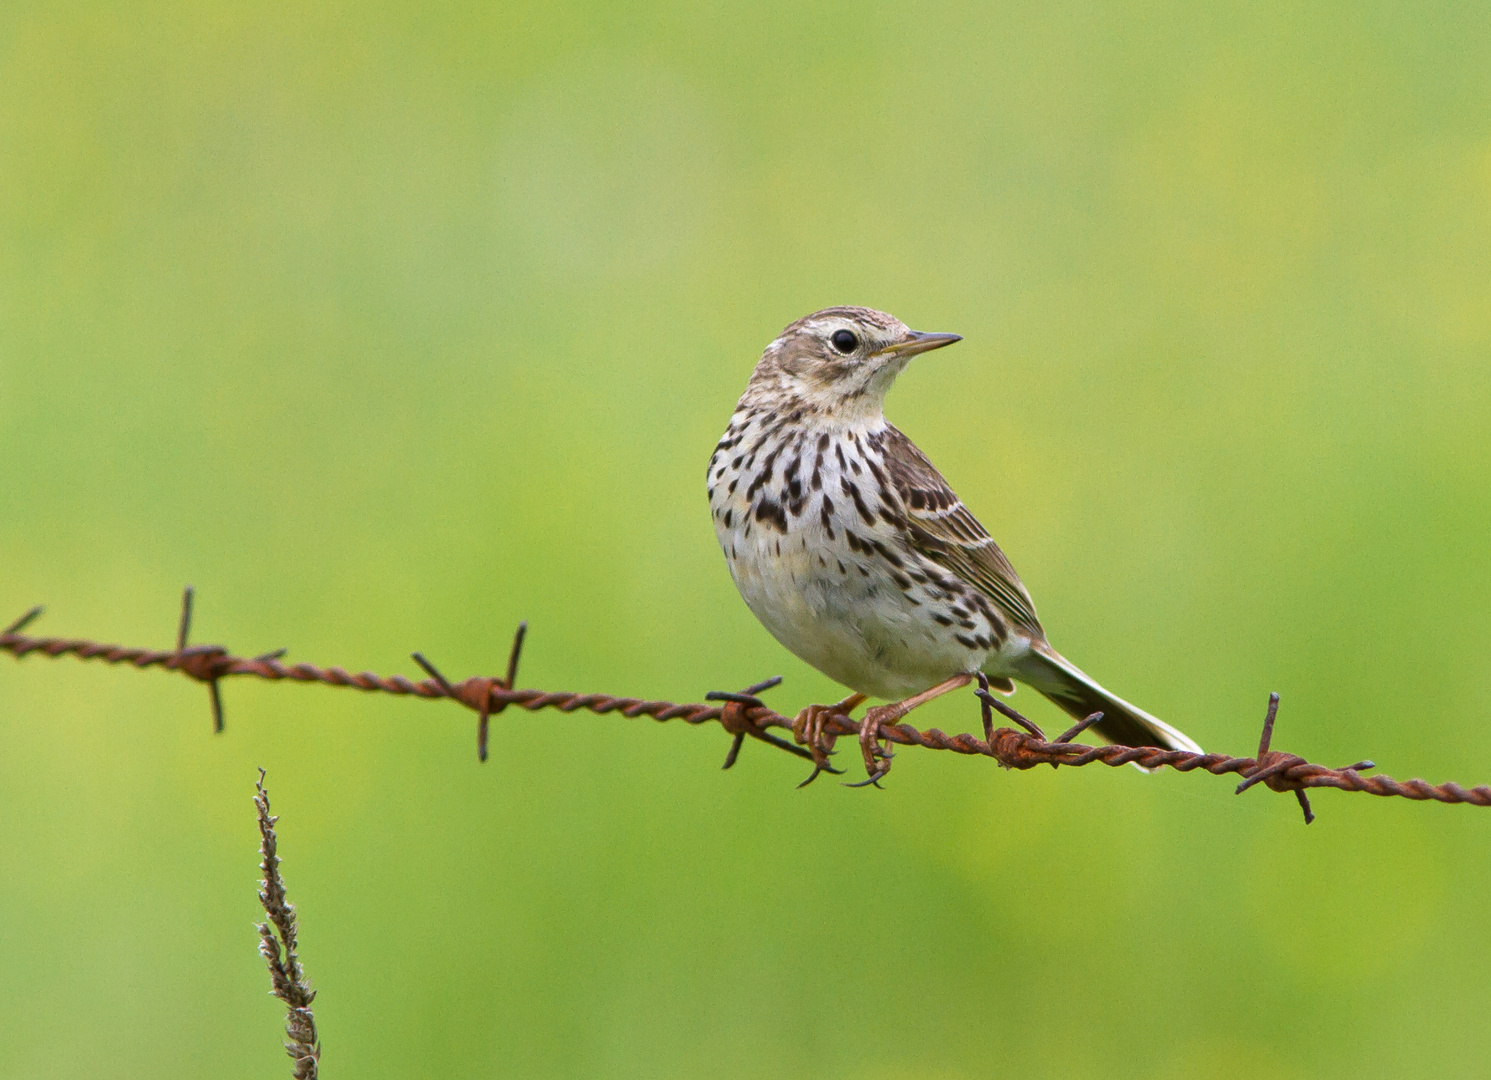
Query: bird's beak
x=918, y=342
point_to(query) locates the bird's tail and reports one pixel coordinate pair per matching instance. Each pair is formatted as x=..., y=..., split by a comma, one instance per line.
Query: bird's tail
x=1076, y=694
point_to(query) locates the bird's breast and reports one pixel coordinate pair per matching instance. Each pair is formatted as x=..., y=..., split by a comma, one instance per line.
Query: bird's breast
x=817, y=543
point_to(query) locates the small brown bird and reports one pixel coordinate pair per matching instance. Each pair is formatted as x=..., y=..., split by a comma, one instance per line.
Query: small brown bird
x=855, y=553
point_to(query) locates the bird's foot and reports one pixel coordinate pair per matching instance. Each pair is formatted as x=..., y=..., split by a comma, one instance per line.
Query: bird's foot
x=877, y=758
x=808, y=728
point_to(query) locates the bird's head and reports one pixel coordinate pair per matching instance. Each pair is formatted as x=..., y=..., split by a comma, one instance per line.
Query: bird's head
x=842, y=360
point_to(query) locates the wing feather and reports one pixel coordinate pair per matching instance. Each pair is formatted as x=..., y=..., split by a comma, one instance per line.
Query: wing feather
x=943, y=529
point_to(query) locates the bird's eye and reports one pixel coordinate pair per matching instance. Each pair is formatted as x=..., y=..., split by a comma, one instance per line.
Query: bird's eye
x=845, y=341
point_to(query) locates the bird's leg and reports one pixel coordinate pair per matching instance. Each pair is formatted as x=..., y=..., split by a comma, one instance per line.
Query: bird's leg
x=877, y=760
x=807, y=729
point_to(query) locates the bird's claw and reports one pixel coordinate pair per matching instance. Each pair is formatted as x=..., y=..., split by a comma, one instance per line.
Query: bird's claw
x=877, y=758
x=808, y=728
x=820, y=767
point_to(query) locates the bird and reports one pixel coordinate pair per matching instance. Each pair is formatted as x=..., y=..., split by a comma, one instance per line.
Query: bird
x=856, y=555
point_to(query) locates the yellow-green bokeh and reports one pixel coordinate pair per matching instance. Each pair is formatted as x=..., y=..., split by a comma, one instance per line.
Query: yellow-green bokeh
x=390, y=325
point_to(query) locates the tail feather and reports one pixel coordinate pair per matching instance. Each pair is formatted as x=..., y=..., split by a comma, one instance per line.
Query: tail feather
x=1079, y=696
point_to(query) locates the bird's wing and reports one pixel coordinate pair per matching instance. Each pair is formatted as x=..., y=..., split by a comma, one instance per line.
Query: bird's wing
x=942, y=528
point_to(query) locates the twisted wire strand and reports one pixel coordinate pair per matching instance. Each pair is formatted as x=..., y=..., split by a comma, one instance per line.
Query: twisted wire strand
x=488, y=695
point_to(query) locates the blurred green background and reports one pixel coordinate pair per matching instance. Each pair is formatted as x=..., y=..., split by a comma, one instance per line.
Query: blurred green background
x=390, y=325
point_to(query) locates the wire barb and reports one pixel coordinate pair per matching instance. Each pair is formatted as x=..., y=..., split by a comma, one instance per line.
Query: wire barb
x=740, y=698
x=1078, y=728
x=434, y=673
x=202, y=662
x=23, y=622
x=1268, y=725
x=482, y=689
x=184, y=627
x=985, y=705
x=989, y=699
x=517, y=651
x=737, y=720
x=735, y=744
x=1274, y=765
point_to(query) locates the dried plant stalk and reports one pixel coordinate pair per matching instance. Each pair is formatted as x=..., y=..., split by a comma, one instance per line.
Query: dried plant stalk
x=277, y=945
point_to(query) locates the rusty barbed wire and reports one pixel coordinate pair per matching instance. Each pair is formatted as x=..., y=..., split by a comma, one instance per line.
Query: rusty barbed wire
x=743, y=715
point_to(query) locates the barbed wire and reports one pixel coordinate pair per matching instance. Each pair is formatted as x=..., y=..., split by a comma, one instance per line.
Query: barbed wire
x=744, y=715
